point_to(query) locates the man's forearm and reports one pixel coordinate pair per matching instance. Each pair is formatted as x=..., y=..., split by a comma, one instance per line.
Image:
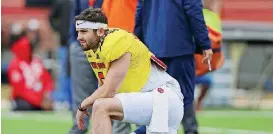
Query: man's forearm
x=99, y=93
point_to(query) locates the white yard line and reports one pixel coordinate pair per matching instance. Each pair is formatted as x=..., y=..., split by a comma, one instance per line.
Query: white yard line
x=213, y=130
x=236, y=114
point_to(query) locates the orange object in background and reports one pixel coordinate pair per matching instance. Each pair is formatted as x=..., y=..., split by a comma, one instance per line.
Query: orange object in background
x=120, y=13
x=217, y=57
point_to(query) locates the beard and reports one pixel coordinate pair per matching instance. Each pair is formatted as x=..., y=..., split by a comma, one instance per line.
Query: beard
x=92, y=44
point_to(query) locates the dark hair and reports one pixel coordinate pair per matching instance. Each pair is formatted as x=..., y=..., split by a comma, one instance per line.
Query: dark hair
x=93, y=15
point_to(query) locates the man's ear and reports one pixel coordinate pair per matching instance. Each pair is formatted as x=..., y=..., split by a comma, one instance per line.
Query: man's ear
x=100, y=32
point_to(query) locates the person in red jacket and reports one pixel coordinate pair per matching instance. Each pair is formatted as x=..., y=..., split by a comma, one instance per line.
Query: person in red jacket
x=31, y=83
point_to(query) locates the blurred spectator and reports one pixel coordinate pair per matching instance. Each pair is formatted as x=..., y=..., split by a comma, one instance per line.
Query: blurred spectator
x=60, y=20
x=31, y=83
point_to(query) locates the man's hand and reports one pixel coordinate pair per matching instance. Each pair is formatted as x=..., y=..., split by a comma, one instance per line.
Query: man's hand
x=79, y=118
x=207, y=55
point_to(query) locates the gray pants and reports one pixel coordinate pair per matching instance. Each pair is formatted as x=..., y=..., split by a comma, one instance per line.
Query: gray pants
x=84, y=83
x=189, y=121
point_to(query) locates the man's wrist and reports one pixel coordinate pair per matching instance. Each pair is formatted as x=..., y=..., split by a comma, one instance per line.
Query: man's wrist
x=81, y=108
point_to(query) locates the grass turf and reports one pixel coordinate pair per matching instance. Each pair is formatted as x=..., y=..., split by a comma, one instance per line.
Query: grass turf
x=59, y=123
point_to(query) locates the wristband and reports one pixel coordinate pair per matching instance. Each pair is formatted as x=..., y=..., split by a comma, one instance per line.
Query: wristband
x=81, y=109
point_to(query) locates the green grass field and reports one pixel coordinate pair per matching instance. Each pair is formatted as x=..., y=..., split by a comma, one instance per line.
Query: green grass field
x=215, y=122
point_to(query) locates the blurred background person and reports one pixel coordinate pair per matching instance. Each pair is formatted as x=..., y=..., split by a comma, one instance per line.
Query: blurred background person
x=59, y=19
x=31, y=83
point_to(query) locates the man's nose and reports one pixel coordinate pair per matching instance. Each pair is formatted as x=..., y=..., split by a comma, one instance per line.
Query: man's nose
x=79, y=37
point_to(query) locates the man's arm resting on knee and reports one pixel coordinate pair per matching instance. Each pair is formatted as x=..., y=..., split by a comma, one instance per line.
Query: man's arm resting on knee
x=117, y=72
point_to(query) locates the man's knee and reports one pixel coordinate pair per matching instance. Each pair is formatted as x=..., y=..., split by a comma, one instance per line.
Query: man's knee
x=101, y=106
x=108, y=106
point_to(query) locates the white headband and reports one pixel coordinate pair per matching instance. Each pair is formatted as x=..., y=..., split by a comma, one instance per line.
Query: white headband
x=88, y=24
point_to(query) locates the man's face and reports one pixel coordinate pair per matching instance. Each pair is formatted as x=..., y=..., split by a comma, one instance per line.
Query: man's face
x=88, y=38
